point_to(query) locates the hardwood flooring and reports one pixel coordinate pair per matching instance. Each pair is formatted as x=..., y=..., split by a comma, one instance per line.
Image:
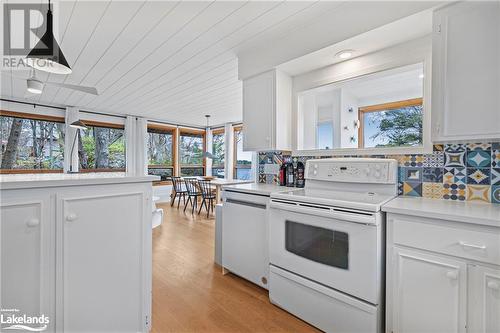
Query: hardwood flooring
x=190, y=294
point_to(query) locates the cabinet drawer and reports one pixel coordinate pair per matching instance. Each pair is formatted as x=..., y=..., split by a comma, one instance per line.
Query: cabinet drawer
x=475, y=243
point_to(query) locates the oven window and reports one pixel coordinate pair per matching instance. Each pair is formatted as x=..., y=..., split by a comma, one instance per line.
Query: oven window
x=322, y=245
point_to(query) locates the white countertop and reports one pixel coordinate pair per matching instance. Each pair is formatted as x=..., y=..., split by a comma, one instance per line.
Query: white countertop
x=20, y=181
x=258, y=188
x=459, y=211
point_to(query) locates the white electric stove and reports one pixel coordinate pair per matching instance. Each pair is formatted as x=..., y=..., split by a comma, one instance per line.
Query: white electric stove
x=326, y=244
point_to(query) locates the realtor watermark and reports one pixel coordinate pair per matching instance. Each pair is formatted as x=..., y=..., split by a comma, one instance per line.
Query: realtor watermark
x=24, y=24
x=14, y=319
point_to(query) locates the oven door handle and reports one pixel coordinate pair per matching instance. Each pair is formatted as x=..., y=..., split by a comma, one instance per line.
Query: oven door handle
x=325, y=211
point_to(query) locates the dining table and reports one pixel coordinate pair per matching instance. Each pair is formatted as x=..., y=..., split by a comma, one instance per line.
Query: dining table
x=218, y=183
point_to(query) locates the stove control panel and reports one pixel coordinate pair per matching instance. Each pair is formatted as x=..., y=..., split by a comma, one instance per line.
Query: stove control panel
x=353, y=170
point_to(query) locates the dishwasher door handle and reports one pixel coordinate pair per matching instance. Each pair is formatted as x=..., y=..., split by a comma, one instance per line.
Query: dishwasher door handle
x=246, y=203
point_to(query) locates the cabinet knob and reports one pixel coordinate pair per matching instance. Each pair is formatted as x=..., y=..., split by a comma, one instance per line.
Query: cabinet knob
x=71, y=217
x=33, y=222
x=452, y=275
x=493, y=285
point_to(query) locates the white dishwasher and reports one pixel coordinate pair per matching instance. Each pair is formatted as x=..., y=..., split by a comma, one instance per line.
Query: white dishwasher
x=245, y=236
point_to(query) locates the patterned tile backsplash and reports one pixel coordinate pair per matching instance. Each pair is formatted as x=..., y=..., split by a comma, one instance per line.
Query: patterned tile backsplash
x=468, y=171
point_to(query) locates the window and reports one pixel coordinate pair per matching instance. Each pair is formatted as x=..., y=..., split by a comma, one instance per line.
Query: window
x=393, y=124
x=31, y=143
x=242, y=159
x=191, y=147
x=161, y=154
x=101, y=147
x=218, y=151
x=324, y=135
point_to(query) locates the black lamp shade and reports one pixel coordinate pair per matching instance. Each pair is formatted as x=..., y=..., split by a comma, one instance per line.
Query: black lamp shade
x=47, y=55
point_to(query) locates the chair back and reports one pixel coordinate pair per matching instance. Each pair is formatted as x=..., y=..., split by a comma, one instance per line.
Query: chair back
x=177, y=182
x=192, y=186
x=205, y=188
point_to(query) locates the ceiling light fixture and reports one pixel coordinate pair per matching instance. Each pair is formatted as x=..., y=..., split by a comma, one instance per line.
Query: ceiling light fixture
x=345, y=54
x=47, y=55
x=421, y=76
x=206, y=153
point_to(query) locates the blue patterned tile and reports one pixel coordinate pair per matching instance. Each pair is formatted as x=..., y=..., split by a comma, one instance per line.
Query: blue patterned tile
x=454, y=147
x=454, y=159
x=495, y=156
x=454, y=176
x=478, y=176
x=495, y=176
x=479, y=146
x=454, y=192
x=401, y=174
x=413, y=174
x=432, y=175
x=495, y=194
x=435, y=160
x=479, y=158
x=413, y=189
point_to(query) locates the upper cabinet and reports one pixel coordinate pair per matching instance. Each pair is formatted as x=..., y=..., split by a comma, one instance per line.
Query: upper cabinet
x=466, y=71
x=267, y=112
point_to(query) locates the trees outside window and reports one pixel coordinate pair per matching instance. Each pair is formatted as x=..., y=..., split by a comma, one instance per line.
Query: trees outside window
x=242, y=159
x=218, y=153
x=161, y=152
x=191, y=147
x=31, y=142
x=101, y=148
x=395, y=124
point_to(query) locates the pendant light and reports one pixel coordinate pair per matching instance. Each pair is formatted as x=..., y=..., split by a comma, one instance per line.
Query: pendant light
x=47, y=55
x=207, y=154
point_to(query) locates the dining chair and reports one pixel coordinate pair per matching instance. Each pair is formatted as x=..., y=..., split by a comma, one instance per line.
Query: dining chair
x=193, y=192
x=208, y=195
x=179, y=191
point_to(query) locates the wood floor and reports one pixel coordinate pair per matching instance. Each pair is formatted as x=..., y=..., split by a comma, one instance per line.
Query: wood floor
x=191, y=295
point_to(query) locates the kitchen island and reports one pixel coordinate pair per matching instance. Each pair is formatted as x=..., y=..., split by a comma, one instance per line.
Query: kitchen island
x=76, y=248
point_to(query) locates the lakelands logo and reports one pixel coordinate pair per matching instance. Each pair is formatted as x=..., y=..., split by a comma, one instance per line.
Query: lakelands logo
x=12, y=319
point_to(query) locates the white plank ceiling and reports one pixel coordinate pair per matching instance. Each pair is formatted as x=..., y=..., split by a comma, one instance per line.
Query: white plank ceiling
x=171, y=61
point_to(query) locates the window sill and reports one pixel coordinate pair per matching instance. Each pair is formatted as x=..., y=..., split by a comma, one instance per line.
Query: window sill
x=26, y=171
x=363, y=151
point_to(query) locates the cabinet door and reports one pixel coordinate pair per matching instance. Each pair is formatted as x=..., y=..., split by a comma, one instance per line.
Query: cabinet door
x=27, y=258
x=429, y=293
x=258, y=112
x=466, y=71
x=484, y=300
x=104, y=273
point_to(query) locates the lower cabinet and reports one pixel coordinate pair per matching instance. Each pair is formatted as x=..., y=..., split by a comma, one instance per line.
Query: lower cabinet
x=27, y=263
x=79, y=255
x=429, y=293
x=484, y=299
x=446, y=286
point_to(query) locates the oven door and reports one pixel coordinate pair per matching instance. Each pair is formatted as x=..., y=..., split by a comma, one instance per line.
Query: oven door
x=328, y=246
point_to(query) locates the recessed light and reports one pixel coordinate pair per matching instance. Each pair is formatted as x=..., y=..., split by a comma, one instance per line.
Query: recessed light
x=345, y=54
x=421, y=76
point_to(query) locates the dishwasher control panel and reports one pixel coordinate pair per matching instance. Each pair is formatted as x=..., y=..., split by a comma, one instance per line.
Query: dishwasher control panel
x=353, y=170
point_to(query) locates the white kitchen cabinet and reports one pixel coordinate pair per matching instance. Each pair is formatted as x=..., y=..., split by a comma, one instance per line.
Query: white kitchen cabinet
x=442, y=275
x=484, y=299
x=27, y=256
x=78, y=252
x=466, y=71
x=429, y=293
x=267, y=100
x=102, y=259
x=245, y=249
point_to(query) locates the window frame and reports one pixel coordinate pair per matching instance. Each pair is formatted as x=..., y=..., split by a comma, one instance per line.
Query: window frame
x=167, y=130
x=379, y=108
x=219, y=131
x=237, y=128
x=93, y=123
x=32, y=116
x=186, y=130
